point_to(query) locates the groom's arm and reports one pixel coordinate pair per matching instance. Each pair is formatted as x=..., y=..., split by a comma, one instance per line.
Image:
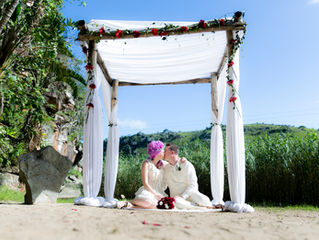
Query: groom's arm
x=191, y=179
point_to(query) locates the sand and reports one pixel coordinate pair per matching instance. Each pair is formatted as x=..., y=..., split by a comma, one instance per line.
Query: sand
x=68, y=221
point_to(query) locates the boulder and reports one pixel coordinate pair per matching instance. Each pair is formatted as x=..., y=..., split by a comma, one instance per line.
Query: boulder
x=43, y=172
x=11, y=181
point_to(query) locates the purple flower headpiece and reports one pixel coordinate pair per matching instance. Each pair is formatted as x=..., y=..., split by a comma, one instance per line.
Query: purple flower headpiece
x=154, y=148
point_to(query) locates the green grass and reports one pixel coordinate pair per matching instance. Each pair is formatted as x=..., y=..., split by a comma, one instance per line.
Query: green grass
x=65, y=200
x=8, y=195
x=288, y=207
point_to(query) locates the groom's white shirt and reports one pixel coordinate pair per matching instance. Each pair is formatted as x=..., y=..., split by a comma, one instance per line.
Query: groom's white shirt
x=181, y=182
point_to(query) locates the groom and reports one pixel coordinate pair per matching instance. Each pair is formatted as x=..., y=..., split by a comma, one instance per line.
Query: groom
x=181, y=179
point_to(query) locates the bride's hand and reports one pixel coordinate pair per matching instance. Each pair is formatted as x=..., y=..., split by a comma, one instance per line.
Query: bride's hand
x=183, y=160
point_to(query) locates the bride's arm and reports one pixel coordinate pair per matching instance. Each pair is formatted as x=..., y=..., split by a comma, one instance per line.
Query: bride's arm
x=144, y=175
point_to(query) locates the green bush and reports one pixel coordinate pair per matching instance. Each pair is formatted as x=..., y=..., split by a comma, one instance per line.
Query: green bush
x=281, y=169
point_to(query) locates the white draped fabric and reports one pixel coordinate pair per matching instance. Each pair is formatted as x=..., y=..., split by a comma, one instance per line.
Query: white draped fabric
x=217, y=145
x=235, y=146
x=161, y=60
x=112, y=151
x=92, y=145
x=153, y=60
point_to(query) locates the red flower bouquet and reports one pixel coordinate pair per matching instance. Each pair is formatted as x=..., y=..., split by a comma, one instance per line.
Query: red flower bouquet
x=166, y=203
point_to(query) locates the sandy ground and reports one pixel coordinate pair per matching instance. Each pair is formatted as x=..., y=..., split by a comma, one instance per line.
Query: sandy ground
x=68, y=221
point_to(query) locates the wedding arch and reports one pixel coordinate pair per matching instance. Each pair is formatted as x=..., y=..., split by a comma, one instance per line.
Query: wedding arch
x=125, y=53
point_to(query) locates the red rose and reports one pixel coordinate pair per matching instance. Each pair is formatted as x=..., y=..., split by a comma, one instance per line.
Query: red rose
x=202, y=24
x=89, y=67
x=84, y=49
x=222, y=22
x=154, y=31
x=119, y=33
x=230, y=82
x=90, y=105
x=232, y=99
x=230, y=64
x=101, y=31
x=136, y=34
x=184, y=29
x=166, y=203
x=163, y=33
x=92, y=86
x=232, y=41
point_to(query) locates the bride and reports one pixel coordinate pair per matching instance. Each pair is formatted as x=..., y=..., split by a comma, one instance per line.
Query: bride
x=153, y=187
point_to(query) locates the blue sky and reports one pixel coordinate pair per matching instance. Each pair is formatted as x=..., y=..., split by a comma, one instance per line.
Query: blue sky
x=279, y=63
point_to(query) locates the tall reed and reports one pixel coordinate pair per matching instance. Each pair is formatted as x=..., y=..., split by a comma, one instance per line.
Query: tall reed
x=280, y=169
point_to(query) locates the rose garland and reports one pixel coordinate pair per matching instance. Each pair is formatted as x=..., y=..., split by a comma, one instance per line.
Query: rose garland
x=162, y=32
x=90, y=72
x=236, y=42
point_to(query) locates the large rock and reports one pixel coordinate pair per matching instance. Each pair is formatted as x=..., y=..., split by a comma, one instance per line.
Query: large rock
x=43, y=172
x=9, y=180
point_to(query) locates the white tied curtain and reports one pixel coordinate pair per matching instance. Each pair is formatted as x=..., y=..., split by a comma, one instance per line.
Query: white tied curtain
x=112, y=151
x=92, y=144
x=217, y=145
x=235, y=146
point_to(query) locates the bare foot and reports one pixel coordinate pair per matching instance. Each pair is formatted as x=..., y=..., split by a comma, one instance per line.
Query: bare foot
x=218, y=206
x=124, y=204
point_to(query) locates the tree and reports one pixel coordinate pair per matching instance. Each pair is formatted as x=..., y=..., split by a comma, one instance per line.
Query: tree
x=35, y=59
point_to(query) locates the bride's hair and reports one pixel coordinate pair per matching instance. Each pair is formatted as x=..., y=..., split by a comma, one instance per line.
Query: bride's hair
x=173, y=147
x=154, y=148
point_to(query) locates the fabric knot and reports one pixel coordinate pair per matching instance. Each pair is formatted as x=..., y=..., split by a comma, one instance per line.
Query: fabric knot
x=112, y=124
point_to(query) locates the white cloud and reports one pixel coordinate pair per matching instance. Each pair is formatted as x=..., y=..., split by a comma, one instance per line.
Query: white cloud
x=313, y=2
x=133, y=124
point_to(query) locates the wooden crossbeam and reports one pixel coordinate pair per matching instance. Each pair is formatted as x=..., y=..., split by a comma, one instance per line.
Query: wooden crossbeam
x=104, y=69
x=84, y=35
x=192, y=81
x=222, y=63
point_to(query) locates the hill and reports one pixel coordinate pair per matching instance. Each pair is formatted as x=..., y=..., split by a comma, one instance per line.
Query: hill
x=135, y=144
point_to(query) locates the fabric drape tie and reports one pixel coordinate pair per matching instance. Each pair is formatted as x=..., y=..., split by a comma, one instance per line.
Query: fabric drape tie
x=112, y=124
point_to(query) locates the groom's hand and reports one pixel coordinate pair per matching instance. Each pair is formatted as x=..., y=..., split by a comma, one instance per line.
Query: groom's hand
x=158, y=196
x=176, y=197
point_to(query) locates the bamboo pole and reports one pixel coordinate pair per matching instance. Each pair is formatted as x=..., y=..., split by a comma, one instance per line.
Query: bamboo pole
x=103, y=68
x=222, y=63
x=192, y=81
x=214, y=94
x=229, y=43
x=114, y=93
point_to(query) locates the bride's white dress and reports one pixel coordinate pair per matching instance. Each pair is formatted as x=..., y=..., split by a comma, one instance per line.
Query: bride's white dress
x=156, y=181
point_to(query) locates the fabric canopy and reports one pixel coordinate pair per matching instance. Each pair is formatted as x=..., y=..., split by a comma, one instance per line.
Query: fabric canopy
x=160, y=60
x=154, y=60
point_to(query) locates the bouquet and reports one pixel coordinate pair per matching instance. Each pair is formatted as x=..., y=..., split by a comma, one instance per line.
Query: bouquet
x=166, y=203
